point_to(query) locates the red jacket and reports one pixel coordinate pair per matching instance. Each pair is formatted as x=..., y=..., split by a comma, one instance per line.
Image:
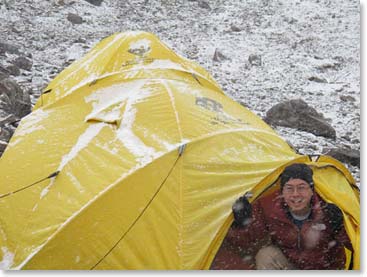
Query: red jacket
x=313, y=246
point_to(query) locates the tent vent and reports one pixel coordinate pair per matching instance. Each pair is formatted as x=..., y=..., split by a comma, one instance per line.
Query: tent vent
x=181, y=149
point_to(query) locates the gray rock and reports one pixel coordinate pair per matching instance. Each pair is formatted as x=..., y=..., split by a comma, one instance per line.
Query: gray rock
x=234, y=28
x=4, y=73
x=297, y=114
x=328, y=65
x=14, y=104
x=347, y=98
x=23, y=63
x=13, y=100
x=204, y=4
x=80, y=40
x=255, y=60
x=317, y=79
x=219, y=56
x=13, y=70
x=8, y=48
x=344, y=154
x=74, y=18
x=8, y=119
x=346, y=137
x=3, y=144
x=6, y=131
x=95, y=2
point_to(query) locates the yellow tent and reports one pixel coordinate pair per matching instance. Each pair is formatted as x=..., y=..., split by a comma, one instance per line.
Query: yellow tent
x=132, y=159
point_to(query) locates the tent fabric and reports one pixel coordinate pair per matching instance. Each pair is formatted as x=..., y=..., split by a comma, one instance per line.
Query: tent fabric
x=131, y=159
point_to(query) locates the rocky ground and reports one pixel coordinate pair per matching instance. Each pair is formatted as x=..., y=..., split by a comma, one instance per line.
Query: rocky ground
x=261, y=52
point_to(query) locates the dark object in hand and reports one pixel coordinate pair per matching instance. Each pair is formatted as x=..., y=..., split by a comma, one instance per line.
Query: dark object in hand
x=242, y=211
x=334, y=216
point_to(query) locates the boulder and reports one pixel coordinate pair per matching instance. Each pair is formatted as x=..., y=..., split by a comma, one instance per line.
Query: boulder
x=13, y=70
x=6, y=131
x=235, y=28
x=219, y=56
x=14, y=104
x=297, y=114
x=347, y=98
x=203, y=4
x=344, y=154
x=74, y=18
x=95, y=2
x=23, y=63
x=7, y=119
x=3, y=145
x=317, y=79
x=255, y=60
x=13, y=100
x=5, y=134
x=4, y=73
x=8, y=48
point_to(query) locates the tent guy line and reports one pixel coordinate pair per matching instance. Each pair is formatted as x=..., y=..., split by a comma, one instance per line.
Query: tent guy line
x=180, y=152
x=35, y=183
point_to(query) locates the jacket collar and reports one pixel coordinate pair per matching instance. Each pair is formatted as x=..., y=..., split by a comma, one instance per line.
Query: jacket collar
x=317, y=205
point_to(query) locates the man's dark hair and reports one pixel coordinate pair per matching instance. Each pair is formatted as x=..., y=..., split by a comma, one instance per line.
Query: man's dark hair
x=297, y=171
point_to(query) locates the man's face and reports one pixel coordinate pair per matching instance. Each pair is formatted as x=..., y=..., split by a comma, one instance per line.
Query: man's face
x=297, y=194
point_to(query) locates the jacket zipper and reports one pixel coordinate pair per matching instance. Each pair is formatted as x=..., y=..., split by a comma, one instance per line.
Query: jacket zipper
x=299, y=239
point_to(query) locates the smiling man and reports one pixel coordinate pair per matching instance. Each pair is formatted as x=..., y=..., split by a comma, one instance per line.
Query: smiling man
x=292, y=228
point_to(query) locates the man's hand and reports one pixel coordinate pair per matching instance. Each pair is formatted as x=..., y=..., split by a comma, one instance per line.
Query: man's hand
x=242, y=211
x=334, y=217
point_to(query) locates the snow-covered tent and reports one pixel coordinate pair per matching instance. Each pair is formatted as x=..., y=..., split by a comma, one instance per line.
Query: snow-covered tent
x=132, y=159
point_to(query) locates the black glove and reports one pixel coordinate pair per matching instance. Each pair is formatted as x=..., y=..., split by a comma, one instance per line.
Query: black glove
x=334, y=216
x=242, y=211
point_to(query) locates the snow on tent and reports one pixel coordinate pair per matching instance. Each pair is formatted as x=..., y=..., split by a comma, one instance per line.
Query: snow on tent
x=132, y=158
